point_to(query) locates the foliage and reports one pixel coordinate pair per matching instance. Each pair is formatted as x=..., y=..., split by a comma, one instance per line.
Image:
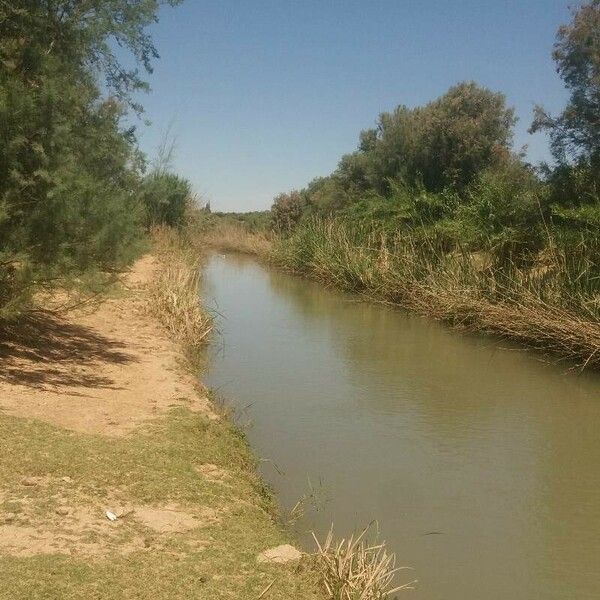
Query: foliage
x=254, y=222
x=444, y=175
x=287, y=210
x=69, y=168
x=166, y=198
x=576, y=132
x=415, y=168
x=505, y=212
x=435, y=211
x=443, y=144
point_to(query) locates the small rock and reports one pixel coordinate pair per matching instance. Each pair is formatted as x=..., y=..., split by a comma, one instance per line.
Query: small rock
x=123, y=511
x=63, y=511
x=280, y=554
x=9, y=517
x=29, y=481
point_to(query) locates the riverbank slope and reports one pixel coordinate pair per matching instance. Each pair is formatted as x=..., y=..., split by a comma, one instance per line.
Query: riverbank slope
x=533, y=306
x=119, y=478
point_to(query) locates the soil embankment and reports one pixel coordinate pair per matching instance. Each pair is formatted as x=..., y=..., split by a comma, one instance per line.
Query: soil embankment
x=118, y=477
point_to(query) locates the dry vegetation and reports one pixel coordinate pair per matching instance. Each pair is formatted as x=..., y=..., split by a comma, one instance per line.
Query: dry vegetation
x=548, y=309
x=356, y=569
x=229, y=237
x=173, y=293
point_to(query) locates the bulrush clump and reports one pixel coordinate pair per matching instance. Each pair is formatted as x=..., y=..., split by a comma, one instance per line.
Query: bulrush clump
x=356, y=569
x=174, y=291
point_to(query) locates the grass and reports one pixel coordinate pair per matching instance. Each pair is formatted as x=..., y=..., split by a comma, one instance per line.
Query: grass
x=552, y=307
x=550, y=303
x=356, y=569
x=173, y=294
x=159, y=465
x=154, y=465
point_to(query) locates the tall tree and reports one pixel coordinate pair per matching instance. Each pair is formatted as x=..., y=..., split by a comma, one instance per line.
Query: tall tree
x=68, y=166
x=575, y=133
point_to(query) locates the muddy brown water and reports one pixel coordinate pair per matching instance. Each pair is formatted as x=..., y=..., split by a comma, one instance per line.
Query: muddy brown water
x=480, y=462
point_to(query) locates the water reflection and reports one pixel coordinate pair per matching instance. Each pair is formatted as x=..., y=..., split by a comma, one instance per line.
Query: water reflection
x=481, y=464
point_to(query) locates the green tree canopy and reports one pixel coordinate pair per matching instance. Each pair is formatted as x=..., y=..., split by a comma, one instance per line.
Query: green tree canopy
x=69, y=168
x=442, y=144
x=575, y=133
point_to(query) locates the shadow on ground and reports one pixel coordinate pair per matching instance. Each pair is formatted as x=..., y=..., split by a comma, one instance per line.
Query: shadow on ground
x=44, y=350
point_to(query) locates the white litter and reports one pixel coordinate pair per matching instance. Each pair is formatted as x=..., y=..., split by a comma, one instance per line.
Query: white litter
x=111, y=516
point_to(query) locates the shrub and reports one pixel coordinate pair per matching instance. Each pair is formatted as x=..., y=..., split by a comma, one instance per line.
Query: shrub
x=287, y=211
x=165, y=197
x=505, y=212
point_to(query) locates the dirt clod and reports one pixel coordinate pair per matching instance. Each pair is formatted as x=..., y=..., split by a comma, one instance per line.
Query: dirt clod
x=279, y=555
x=30, y=481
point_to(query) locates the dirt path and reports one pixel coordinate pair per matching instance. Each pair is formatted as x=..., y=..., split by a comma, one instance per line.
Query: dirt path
x=101, y=371
x=118, y=480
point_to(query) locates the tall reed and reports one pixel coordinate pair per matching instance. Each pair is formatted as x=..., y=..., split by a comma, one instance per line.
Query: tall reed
x=357, y=569
x=551, y=303
x=174, y=291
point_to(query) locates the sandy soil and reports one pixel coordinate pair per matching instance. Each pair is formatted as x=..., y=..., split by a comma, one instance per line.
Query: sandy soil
x=96, y=371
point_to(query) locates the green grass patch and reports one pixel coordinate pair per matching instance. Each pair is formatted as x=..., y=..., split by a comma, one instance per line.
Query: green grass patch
x=155, y=466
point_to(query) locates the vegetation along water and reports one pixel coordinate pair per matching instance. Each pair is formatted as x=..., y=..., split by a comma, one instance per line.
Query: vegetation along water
x=121, y=474
x=436, y=212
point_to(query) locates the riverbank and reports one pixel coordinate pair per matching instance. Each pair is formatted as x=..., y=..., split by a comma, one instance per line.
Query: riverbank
x=533, y=306
x=119, y=477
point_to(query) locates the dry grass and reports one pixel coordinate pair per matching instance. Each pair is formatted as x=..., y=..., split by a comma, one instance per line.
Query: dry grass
x=356, y=569
x=554, y=309
x=228, y=237
x=174, y=293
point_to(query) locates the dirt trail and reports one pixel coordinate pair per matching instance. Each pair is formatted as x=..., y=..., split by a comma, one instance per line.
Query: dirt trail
x=117, y=478
x=104, y=370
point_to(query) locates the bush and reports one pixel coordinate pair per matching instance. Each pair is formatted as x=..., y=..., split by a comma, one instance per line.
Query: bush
x=287, y=211
x=166, y=198
x=505, y=212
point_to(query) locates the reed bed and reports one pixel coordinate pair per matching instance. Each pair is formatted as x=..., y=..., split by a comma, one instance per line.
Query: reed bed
x=356, y=568
x=552, y=307
x=229, y=237
x=174, y=291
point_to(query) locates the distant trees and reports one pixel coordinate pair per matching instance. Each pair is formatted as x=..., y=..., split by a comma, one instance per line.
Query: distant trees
x=440, y=147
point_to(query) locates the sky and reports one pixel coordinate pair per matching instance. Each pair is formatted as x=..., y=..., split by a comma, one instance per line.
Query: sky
x=261, y=96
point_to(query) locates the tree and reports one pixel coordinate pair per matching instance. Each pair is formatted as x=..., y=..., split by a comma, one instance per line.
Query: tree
x=287, y=210
x=69, y=169
x=443, y=144
x=166, y=197
x=575, y=133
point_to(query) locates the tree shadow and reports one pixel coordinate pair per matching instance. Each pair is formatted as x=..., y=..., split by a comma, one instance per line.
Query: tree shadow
x=43, y=350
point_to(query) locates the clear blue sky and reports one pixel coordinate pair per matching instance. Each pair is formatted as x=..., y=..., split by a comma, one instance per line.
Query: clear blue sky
x=264, y=95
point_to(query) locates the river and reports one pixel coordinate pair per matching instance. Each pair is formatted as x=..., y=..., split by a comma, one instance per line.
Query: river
x=479, y=461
